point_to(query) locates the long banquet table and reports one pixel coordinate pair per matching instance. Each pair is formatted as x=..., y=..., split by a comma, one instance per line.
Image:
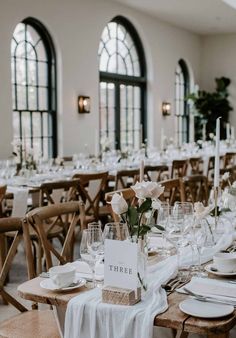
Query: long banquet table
x=173, y=318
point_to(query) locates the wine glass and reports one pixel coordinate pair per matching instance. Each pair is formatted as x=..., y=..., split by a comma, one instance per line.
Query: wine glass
x=177, y=235
x=163, y=220
x=199, y=238
x=90, y=246
x=116, y=231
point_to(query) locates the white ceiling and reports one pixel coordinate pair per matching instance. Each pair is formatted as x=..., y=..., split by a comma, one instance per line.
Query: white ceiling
x=200, y=16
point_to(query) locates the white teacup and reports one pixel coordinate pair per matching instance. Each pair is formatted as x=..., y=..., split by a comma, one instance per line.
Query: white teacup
x=62, y=275
x=225, y=262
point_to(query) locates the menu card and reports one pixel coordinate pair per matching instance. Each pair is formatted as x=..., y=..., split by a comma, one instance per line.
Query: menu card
x=121, y=264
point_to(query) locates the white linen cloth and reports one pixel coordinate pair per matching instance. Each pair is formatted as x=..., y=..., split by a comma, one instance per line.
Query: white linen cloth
x=20, y=200
x=88, y=317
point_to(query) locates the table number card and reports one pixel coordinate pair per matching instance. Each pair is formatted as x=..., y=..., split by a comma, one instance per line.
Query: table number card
x=121, y=264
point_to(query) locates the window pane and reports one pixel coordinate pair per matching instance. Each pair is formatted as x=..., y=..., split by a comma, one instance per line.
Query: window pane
x=30, y=77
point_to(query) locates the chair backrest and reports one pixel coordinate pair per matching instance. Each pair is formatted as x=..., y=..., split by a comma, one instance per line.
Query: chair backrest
x=179, y=168
x=3, y=189
x=196, y=164
x=229, y=159
x=127, y=193
x=123, y=176
x=173, y=191
x=10, y=224
x=67, y=214
x=156, y=173
x=195, y=188
x=59, y=191
x=92, y=188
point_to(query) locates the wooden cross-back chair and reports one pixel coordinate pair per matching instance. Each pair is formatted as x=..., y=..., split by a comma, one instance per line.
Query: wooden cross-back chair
x=127, y=193
x=58, y=191
x=195, y=189
x=173, y=191
x=3, y=189
x=156, y=173
x=124, y=176
x=92, y=189
x=67, y=214
x=179, y=168
x=196, y=165
x=30, y=322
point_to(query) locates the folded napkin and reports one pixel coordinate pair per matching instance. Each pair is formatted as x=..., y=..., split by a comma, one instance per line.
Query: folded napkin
x=83, y=270
x=218, y=289
x=19, y=201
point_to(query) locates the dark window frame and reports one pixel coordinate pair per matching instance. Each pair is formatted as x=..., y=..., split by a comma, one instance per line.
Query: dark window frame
x=51, y=87
x=120, y=79
x=185, y=119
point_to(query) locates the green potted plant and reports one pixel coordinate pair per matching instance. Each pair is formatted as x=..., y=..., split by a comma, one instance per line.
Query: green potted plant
x=210, y=106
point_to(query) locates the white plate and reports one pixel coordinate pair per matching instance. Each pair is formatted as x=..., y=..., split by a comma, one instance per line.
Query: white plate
x=218, y=273
x=48, y=284
x=200, y=309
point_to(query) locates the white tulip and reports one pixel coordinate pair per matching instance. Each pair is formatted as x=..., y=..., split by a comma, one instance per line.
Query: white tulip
x=225, y=177
x=119, y=204
x=201, y=211
x=145, y=190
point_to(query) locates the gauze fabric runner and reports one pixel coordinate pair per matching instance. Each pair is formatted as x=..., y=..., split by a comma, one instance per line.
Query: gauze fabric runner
x=88, y=317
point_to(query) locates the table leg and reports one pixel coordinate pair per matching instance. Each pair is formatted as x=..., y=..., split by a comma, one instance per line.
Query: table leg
x=179, y=334
x=2, y=257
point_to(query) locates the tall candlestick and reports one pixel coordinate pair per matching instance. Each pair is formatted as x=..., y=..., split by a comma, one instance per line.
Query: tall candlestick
x=162, y=139
x=227, y=131
x=141, y=135
x=217, y=155
x=232, y=133
x=141, y=171
x=96, y=143
x=204, y=131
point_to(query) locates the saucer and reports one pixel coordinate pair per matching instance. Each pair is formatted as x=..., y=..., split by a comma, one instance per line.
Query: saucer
x=48, y=284
x=200, y=309
x=218, y=273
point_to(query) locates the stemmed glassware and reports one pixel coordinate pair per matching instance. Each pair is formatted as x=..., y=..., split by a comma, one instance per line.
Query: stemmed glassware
x=90, y=247
x=177, y=234
x=163, y=220
x=116, y=231
x=198, y=238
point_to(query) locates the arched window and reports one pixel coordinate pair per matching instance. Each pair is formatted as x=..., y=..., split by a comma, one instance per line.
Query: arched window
x=122, y=85
x=181, y=105
x=34, y=87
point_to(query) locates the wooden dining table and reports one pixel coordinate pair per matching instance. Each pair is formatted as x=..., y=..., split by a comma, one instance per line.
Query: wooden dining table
x=173, y=318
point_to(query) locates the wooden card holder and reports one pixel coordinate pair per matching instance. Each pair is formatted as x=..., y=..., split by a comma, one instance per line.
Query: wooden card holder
x=113, y=295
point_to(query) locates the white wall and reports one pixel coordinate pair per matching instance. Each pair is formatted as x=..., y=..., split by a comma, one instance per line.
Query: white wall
x=219, y=59
x=76, y=26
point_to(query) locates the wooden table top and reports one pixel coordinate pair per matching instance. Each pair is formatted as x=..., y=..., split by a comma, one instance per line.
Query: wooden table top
x=172, y=318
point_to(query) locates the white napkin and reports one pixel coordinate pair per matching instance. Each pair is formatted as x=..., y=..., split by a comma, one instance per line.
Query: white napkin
x=211, y=287
x=19, y=201
x=88, y=317
x=83, y=270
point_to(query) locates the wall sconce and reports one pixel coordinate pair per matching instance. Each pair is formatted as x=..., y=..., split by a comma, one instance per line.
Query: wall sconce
x=83, y=104
x=166, y=108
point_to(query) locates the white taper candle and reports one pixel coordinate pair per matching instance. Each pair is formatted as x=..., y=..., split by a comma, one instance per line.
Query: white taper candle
x=217, y=155
x=141, y=171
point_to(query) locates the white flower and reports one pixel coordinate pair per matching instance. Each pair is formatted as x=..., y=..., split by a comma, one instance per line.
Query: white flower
x=225, y=177
x=229, y=200
x=156, y=204
x=119, y=204
x=211, y=135
x=234, y=184
x=145, y=190
x=16, y=143
x=201, y=211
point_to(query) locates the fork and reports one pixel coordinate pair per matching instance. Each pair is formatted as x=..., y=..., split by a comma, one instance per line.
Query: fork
x=208, y=299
